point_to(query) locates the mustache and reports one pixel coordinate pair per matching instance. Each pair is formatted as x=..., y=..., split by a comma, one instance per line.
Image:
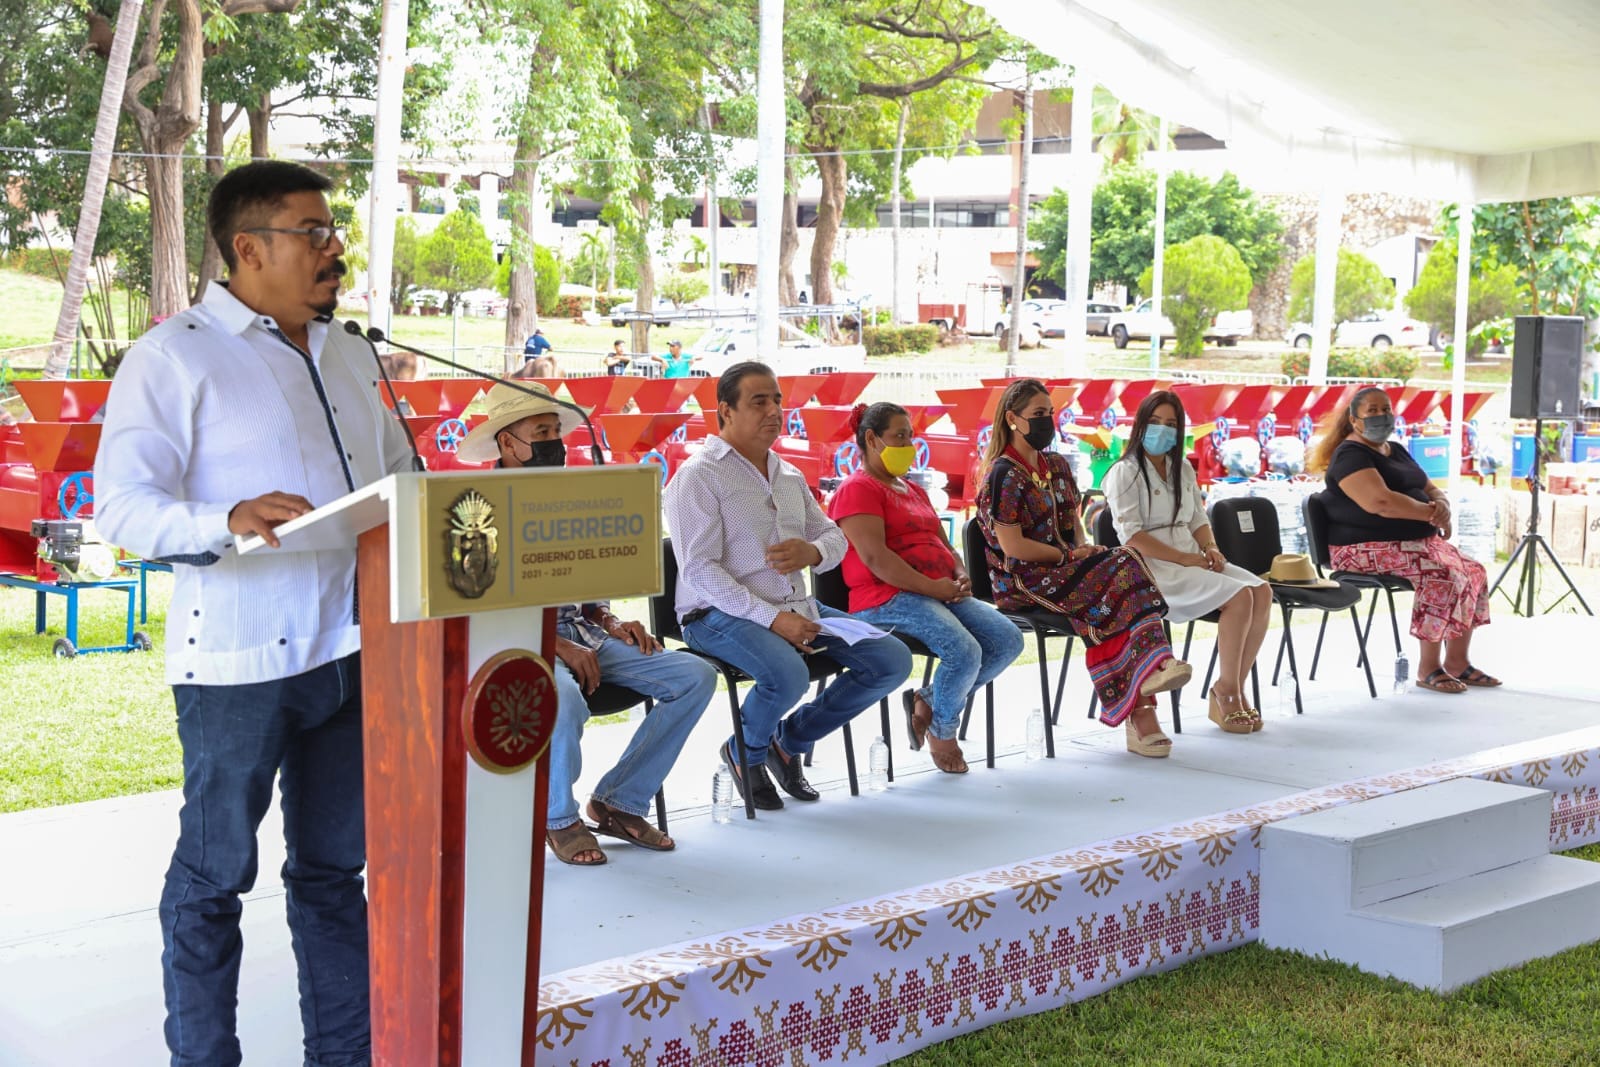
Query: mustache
x=336, y=269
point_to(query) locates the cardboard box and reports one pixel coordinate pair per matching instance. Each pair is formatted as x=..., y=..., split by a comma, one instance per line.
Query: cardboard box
x=1567, y=531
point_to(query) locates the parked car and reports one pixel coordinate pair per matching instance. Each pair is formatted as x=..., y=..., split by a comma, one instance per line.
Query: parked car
x=798, y=352
x=1226, y=328
x=1050, y=317
x=663, y=312
x=1099, y=318
x=1375, y=329
x=483, y=302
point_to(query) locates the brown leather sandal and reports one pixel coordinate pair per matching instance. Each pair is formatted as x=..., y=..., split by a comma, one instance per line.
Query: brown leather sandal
x=1441, y=681
x=570, y=842
x=947, y=755
x=609, y=822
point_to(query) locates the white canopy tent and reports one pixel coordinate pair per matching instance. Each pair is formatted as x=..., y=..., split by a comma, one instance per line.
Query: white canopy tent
x=1467, y=100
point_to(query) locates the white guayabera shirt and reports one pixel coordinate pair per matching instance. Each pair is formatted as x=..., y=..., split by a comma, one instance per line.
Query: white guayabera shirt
x=214, y=406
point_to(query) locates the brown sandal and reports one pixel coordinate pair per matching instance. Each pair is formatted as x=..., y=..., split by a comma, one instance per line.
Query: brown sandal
x=609, y=822
x=916, y=723
x=1474, y=677
x=570, y=842
x=947, y=755
x=1441, y=681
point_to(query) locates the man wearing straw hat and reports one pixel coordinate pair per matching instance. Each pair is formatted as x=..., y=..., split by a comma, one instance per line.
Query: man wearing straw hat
x=594, y=646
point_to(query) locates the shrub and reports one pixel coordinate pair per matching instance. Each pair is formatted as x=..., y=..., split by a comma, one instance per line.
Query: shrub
x=1204, y=275
x=48, y=263
x=567, y=307
x=893, y=340
x=1399, y=363
x=1359, y=286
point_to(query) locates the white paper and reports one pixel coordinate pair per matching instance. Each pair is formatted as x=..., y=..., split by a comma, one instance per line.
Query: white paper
x=1247, y=522
x=850, y=630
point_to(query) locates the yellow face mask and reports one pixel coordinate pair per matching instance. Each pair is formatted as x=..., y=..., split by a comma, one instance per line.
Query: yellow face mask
x=897, y=459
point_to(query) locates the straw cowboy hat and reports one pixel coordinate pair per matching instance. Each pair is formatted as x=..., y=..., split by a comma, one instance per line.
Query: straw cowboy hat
x=505, y=406
x=1294, y=568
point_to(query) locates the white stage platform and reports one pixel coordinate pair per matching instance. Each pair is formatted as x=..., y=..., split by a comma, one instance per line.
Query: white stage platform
x=863, y=926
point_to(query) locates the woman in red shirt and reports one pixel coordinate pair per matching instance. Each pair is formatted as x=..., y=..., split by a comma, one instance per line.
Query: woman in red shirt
x=903, y=574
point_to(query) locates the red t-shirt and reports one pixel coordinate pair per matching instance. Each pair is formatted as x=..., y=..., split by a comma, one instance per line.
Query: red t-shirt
x=911, y=529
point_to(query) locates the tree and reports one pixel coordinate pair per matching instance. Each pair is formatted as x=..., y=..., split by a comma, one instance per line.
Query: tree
x=1551, y=243
x=403, y=269
x=1492, y=293
x=1359, y=286
x=683, y=288
x=1201, y=277
x=1124, y=132
x=1122, y=241
x=105, y=133
x=456, y=257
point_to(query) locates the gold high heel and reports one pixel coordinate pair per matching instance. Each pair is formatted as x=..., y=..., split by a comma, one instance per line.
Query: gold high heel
x=1155, y=745
x=1236, y=721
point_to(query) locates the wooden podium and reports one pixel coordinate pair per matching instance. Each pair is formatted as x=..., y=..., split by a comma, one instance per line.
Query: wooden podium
x=456, y=573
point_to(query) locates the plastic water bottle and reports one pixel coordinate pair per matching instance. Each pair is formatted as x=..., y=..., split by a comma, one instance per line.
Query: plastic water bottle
x=722, y=789
x=1035, y=735
x=1402, y=672
x=878, y=766
x=1288, y=686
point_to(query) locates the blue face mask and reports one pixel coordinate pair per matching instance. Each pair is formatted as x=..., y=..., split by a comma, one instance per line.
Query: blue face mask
x=1160, y=439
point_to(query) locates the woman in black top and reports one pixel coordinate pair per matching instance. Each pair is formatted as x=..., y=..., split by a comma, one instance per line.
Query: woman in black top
x=1386, y=517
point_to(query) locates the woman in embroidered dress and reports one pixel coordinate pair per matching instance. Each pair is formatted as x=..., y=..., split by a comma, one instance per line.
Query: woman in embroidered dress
x=1039, y=558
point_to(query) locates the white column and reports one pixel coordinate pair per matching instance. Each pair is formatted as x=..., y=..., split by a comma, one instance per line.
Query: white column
x=1458, y=364
x=452, y=202
x=1085, y=166
x=770, y=139
x=489, y=202
x=1330, y=219
x=386, y=159
x=1158, y=267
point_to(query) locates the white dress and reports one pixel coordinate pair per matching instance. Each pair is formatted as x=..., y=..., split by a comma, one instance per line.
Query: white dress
x=1190, y=592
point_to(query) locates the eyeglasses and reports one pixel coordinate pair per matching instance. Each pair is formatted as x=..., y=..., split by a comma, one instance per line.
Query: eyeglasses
x=318, y=237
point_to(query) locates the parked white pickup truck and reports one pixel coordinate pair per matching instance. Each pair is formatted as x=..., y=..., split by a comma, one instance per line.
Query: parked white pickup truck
x=1226, y=328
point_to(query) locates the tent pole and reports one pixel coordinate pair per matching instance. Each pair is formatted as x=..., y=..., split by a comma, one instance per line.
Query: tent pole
x=1075, y=286
x=1330, y=218
x=1458, y=362
x=382, y=191
x=771, y=137
x=1159, y=263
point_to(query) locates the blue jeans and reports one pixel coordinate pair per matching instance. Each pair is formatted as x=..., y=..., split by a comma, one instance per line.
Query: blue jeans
x=306, y=729
x=872, y=670
x=681, y=686
x=973, y=641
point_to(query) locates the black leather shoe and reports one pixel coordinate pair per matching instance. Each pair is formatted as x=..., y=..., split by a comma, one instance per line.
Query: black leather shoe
x=791, y=776
x=763, y=796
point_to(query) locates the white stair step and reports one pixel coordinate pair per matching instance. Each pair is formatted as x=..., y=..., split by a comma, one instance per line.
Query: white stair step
x=1444, y=937
x=1388, y=847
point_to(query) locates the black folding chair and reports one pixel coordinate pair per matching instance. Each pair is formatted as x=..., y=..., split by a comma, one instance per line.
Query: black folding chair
x=609, y=698
x=1246, y=529
x=1039, y=622
x=1315, y=509
x=1105, y=533
x=831, y=590
x=664, y=621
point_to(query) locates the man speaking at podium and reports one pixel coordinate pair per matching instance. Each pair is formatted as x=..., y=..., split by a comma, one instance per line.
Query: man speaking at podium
x=594, y=646
x=229, y=419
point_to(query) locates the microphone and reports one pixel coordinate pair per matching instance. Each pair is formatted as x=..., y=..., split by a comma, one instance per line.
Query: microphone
x=377, y=336
x=353, y=328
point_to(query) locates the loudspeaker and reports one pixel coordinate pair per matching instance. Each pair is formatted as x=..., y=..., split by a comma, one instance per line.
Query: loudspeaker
x=1546, y=366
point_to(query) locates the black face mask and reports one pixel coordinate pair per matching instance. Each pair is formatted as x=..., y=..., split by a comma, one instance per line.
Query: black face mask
x=1041, y=432
x=546, y=454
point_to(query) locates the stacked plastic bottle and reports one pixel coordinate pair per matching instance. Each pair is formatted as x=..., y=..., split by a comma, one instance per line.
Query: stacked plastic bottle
x=1477, y=518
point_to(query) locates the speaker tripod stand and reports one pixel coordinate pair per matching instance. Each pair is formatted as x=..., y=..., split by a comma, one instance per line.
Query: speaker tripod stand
x=1532, y=544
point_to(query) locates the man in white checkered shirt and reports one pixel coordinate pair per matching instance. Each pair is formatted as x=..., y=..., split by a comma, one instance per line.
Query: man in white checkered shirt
x=744, y=525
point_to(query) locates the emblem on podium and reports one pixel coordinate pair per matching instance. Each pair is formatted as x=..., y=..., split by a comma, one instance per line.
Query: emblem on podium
x=510, y=711
x=471, y=558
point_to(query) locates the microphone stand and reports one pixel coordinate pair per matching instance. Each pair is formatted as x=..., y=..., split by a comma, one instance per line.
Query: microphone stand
x=353, y=328
x=377, y=336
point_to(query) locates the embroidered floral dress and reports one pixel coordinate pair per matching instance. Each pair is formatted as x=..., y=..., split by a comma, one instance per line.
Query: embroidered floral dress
x=1108, y=599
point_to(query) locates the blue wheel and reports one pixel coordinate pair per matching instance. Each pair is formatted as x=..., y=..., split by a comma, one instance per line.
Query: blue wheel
x=1219, y=436
x=924, y=454
x=797, y=425
x=1306, y=426
x=680, y=435
x=448, y=434
x=847, y=460
x=76, y=488
x=985, y=435
x=659, y=460
x=1399, y=426
x=1108, y=418
x=1067, y=417
x=1266, y=428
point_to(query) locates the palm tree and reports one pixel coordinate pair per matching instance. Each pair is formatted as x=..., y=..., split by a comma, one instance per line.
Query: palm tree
x=1125, y=132
x=593, y=251
x=94, y=189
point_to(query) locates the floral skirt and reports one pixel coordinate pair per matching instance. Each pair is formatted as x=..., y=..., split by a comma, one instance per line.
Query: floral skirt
x=1452, y=591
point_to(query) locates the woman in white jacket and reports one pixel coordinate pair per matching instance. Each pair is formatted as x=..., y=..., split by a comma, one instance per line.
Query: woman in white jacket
x=1157, y=509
